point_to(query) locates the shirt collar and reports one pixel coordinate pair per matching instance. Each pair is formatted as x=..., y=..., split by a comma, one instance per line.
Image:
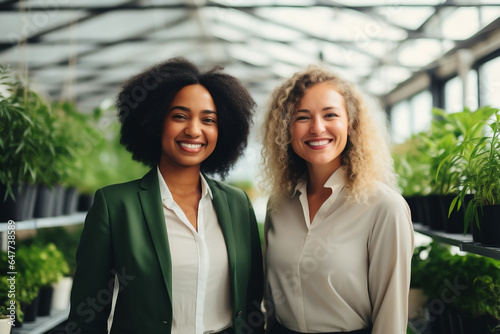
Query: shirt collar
x=336, y=182
x=166, y=195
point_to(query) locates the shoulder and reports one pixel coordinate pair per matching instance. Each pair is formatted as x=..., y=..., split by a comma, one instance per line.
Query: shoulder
x=386, y=200
x=120, y=188
x=130, y=189
x=228, y=189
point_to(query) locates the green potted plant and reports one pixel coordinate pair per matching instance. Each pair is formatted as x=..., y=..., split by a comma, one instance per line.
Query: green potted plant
x=487, y=290
x=52, y=267
x=477, y=304
x=476, y=166
x=412, y=165
x=10, y=308
x=78, y=136
x=18, y=153
x=108, y=162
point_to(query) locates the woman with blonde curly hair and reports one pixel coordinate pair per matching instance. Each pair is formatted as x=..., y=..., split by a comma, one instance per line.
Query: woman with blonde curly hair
x=338, y=237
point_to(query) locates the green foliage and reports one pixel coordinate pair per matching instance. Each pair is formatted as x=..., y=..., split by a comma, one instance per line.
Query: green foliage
x=23, y=118
x=419, y=275
x=412, y=165
x=36, y=267
x=419, y=160
x=108, y=162
x=468, y=283
x=7, y=295
x=51, y=144
x=488, y=293
x=475, y=165
x=75, y=133
x=65, y=238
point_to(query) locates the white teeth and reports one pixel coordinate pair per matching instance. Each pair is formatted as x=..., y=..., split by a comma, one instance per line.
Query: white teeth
x=318, y=143
x=190, y=145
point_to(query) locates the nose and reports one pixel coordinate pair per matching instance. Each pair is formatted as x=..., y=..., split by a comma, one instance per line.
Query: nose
x=193, y=129
x=317, y=125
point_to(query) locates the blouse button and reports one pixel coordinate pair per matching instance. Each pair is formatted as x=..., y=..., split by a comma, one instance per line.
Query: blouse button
x=330, y=200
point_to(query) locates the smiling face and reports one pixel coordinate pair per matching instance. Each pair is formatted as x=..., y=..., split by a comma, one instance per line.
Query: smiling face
x=319, y=127
x=190, y=128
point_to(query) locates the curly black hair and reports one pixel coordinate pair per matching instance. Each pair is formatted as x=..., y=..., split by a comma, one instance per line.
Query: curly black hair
x=142, y=105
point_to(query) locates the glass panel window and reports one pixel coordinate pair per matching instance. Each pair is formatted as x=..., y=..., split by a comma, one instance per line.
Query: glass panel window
x=453, y=95
x=421, y=109
x=400, y=122
x=490, y=83
x=471, y=99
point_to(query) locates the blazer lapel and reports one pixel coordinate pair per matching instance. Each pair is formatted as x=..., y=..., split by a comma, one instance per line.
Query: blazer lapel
x=150, y=199
x=224, y=216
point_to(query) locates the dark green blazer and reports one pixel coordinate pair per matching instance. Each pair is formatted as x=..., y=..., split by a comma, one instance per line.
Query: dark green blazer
x=125, y=236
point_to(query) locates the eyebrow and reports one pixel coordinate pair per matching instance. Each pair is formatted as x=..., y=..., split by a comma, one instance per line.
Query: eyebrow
x=189, y=110
x=323, y=109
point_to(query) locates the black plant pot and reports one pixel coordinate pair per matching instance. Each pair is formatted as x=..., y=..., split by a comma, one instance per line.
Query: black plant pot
x=70, y=201
x=489, y=221
x=85, y=201
x=439, y=319
x=454, y=223
x=476, y=232
x=45, y=302
x=20, y=208
x=479, y=325
x=415, y=208
x=59, y=200
x=44, y=206
x=31, y=310
x=434, y=212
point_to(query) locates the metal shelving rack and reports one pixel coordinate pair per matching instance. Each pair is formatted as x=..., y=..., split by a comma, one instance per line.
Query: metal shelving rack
x=464, y=242
x=42, y=324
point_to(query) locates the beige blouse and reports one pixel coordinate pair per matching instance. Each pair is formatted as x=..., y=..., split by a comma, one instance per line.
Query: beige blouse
x=347, y=270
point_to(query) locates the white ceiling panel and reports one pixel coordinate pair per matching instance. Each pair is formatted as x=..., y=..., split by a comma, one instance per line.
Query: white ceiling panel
x=40, y=54
x=18, y=26
x=379, y=44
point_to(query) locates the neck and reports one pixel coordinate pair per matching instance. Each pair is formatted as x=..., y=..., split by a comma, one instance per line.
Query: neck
x=317, y=177
x=181, y=180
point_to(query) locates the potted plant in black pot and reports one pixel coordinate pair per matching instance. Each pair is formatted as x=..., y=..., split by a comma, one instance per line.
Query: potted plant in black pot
x=487, y=289
x=412, y=167
x=108, y=162
x=52, y=267
x=28, y=281
x=477, y=303
x=464, y=125
x=10, y=308
x=18, y=152
x=477, y=159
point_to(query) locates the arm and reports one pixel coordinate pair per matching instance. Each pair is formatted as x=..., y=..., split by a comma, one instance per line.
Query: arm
x=390, y=250
x=268, y=298
x=93, y=281
x=255, y=288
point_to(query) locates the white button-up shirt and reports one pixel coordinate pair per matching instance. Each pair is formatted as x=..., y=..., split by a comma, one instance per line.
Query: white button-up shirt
x=201, y=299
x=348, y=269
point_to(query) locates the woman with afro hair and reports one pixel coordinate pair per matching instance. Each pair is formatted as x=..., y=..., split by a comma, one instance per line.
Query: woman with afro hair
x=176, y=251
x=338, y=237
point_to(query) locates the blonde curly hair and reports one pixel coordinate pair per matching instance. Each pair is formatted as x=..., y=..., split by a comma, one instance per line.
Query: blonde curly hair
x=366, y=158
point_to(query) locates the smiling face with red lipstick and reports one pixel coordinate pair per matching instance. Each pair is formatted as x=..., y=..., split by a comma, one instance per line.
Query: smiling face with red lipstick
x=190, y=128
x=319, y=127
